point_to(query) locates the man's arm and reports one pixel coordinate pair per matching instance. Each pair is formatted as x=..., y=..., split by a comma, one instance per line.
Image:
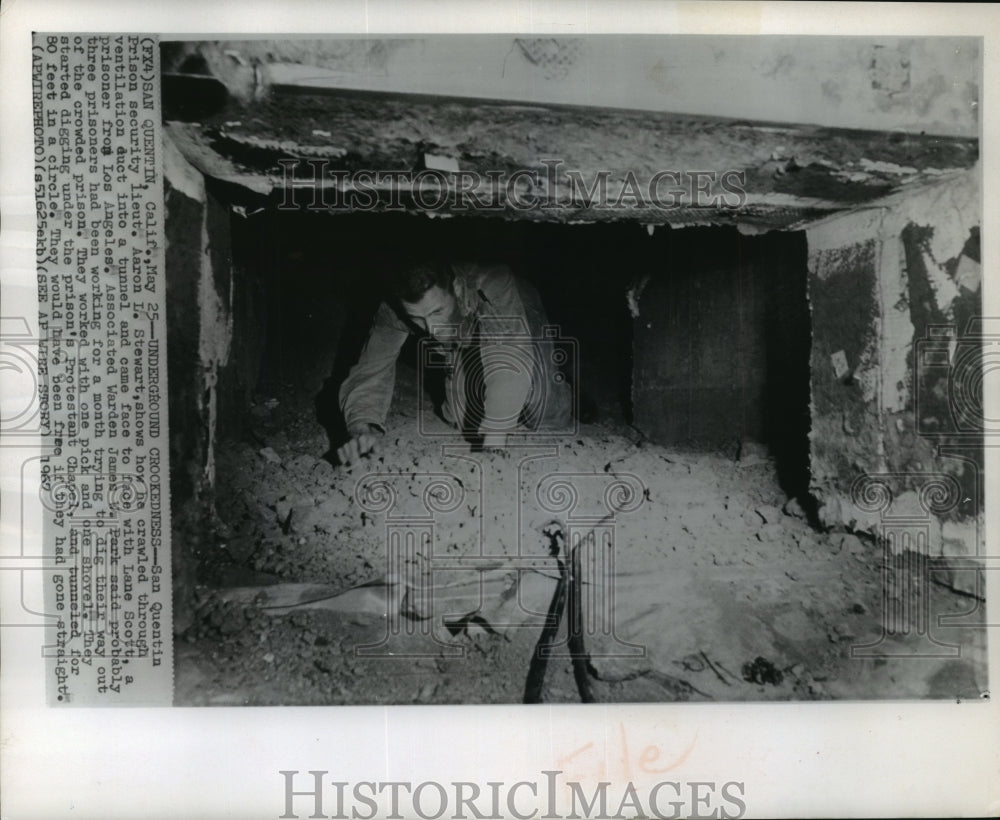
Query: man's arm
x=366, y=393
x=506, y=363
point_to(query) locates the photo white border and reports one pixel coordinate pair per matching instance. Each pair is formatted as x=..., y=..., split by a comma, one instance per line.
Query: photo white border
x=796, y=759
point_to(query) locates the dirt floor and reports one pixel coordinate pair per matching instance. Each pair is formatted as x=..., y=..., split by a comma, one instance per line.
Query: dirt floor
x=706, y=583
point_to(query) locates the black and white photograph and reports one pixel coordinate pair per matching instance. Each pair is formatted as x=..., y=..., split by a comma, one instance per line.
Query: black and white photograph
x=524, y=409
x=596, y=369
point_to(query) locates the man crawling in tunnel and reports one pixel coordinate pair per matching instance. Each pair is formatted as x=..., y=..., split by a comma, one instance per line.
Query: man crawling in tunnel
x=485, y=330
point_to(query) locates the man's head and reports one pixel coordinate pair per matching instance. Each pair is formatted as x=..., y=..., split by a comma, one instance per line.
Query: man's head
x=426, y=296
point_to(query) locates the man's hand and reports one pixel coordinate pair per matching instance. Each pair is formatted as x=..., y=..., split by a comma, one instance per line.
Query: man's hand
x=363, y=442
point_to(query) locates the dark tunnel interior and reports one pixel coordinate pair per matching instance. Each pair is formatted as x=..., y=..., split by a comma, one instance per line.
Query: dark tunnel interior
x=716, y=359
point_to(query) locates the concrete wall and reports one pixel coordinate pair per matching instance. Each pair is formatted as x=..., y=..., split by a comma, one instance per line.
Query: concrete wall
x=894, y=382
x=698, y=344
x=721, y=343
x=895, y=294
x=924, y=84
x=199, y=329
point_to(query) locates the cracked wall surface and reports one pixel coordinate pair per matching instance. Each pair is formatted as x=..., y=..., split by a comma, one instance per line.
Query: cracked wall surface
x=834, y=122
x=895, y=295
x=198, y=277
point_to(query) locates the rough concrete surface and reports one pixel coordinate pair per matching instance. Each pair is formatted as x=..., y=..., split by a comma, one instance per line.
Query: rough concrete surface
x=723, y=586
x=896, y=343
x=241, y=111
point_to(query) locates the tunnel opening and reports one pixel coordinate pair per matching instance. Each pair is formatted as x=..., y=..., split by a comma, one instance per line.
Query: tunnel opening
x=719, y=381
x=692, y=370
x=695, y=338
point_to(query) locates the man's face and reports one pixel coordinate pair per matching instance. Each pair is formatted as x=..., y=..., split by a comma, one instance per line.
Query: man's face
x=436, y=310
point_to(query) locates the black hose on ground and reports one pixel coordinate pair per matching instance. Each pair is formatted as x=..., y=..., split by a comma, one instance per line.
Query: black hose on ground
x=540, y=657
x=569, y=585
x=577, y=648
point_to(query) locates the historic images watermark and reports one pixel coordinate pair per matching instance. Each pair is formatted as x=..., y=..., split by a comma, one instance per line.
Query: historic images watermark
x=505, y=349
x=577, y=546
x=545, y=798
x=312, y=184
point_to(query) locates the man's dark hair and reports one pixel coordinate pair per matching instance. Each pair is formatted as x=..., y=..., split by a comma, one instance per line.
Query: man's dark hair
x=414, y=280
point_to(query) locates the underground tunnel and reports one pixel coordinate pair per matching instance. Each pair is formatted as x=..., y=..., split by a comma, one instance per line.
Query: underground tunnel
x=695, y=338
x=711, y=527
